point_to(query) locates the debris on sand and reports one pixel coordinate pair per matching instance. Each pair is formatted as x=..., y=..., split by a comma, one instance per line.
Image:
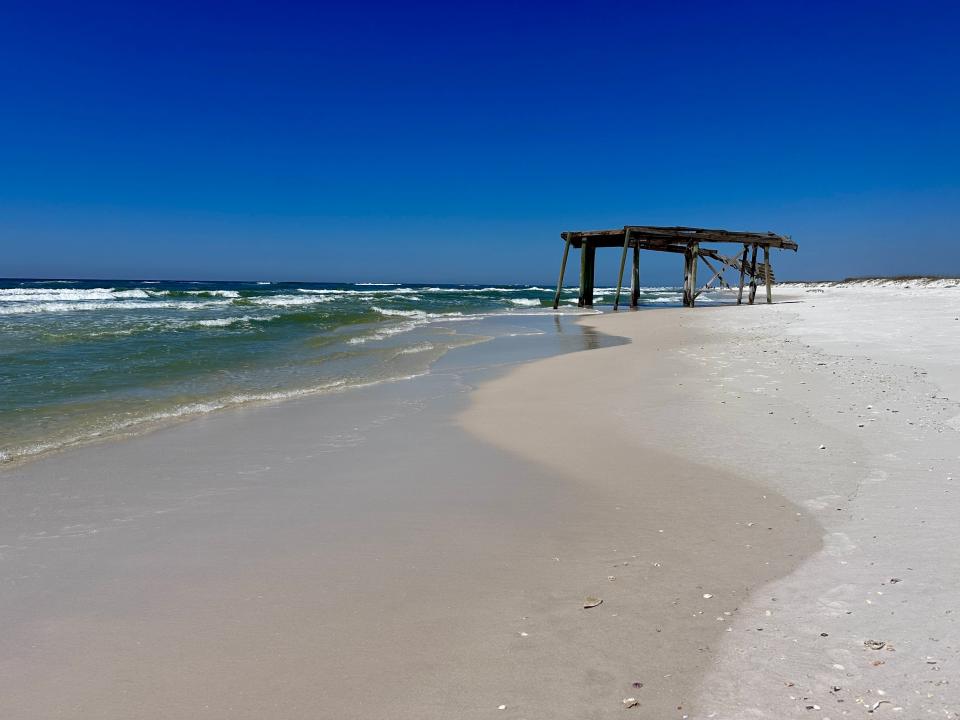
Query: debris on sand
x=875, y=644
x=591, y=602
x=630, y=703
x=878, y=703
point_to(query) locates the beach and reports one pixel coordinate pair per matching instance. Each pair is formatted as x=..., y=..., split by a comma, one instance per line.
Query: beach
x=757, y=503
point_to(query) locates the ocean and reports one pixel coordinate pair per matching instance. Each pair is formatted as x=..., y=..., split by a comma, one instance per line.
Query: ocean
x=82, y=360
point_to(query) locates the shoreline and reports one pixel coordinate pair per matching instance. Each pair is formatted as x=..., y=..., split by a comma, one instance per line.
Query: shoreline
x=700, y=539
x=203, y=408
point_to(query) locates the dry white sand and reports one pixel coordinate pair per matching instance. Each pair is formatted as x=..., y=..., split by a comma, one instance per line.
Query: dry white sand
x=872, y=372
x=843, y=400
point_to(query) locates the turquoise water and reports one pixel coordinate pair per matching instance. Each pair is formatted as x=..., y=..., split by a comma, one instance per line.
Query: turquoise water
x=83, y=360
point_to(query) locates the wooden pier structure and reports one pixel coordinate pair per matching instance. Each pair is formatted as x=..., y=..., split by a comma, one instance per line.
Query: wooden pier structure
x=695, y=244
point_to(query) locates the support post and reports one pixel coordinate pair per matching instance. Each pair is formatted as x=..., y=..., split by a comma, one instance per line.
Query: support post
x=743, y=270
x=766, y=273
x=623, y=262
x=635, y=277
x=591, y=272
x=753, y=274
x=583, y=272
x=688, y=262
x=563, y=268
x=695, y=258
x=587, y=257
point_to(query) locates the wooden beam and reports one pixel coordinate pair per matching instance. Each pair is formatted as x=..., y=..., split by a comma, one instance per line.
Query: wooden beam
x=753, y=274
x=717, y=274
x=563, y=268
x=743, y=270
x=679, y=235
x=767, y=275
x=635, y=278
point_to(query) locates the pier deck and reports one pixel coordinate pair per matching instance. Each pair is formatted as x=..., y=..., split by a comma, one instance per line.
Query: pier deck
x=695, y=244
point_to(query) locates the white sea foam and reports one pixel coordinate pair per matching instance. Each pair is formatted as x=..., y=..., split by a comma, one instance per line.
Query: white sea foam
x=397, y=290
x=422, y=347
x=484, y=290
x=228, y=321
x=525, y=302
x=421, y=314
x=67, y=294
x=88, y=305
x=384, y=333
x=288, y=300
x=349, y=293
x=215, y=293
x=391, y=312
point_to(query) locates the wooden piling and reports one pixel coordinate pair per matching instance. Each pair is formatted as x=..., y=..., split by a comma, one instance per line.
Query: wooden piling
x=583, y=273
x=623, y=262
x=563, y=269
x=635, y=278
x=588, y=255
x=743, y=270
x=695, y=260
x=689, y=277
x=767, y=274
x=753, y=274
x=591, y=276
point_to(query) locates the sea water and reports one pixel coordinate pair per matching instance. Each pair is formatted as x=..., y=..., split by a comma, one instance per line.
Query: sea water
x=85, y=360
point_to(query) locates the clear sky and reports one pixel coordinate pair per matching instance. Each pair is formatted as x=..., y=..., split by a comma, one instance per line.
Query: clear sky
x=453, y=141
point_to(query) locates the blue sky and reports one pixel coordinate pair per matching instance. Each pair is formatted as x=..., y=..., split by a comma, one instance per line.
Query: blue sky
x=454, y=141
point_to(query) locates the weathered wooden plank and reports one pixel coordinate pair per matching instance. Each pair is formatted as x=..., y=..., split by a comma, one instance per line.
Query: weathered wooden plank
x=690, y=276
x=767, y=275
x=717, y=274
x=588, y=257
x=623, y=262
x=563, y=268
x=678, y=235
x=695, y=255
x=583, y=273
x=743, y=270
